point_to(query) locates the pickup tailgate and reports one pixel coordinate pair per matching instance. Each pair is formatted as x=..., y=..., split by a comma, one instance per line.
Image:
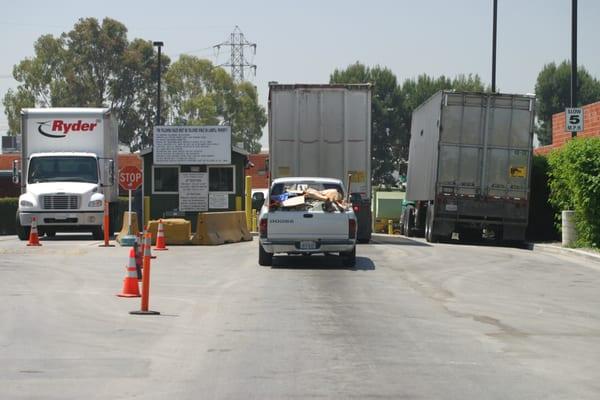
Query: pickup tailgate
x=309, y=225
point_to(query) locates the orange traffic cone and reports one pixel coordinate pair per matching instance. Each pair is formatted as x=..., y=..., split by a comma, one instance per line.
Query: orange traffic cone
x=130, y=283
x=34, y=239
x=160, y=238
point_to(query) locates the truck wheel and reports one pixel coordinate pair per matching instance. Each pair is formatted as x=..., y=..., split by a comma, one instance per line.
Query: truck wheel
x=349, y=258
x=429, y=235
x=98, y=233
x=22, y=231
x=264, y=258
x=409, y=222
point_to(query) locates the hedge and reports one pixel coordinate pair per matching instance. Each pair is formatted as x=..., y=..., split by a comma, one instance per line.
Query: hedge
x=574, y=179
x=8, y=211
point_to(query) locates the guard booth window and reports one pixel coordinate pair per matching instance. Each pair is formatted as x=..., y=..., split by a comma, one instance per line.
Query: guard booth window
x=221, y=179
x=165, y=179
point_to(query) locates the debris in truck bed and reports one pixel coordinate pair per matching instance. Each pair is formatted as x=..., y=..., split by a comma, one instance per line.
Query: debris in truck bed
x=328, y=200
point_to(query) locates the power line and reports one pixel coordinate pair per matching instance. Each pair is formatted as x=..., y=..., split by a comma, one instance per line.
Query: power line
x=237, y=61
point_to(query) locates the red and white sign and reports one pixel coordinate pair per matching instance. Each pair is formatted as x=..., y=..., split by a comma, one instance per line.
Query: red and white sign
x=130, y=177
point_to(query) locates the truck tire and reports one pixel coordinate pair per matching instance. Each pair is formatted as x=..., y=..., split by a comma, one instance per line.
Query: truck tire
x=429, y=235
x=98, y=233
x=22, y=231
x=409, y=222
x=264, y=258
x=349, y=258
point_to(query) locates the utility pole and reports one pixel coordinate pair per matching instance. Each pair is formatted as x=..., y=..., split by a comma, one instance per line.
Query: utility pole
x=237, y=61
x=158, y=73
x=494, y=28
x=574, y=57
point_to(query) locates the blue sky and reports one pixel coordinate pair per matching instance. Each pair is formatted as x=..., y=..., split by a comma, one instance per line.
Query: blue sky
x=304, y=41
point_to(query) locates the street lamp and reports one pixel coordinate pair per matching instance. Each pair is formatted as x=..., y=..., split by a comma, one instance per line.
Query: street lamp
x=159, y=45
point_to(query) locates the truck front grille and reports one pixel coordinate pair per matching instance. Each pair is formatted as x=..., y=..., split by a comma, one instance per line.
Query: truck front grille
x=60, y=202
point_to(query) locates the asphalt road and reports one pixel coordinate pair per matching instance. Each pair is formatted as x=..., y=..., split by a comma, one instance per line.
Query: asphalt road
x=411, y=321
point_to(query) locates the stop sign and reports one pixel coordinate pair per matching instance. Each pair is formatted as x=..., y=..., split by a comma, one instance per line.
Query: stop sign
x=130, y=177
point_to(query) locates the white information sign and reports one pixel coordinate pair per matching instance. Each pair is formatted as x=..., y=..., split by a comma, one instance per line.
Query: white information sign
x=192, y=145
x=218, y=200
x=573, y=119
x=193, y=191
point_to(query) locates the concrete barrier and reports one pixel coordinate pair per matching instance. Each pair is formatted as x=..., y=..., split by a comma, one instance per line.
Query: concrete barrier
x=125, y=229
x=177, y=230
x=221, y=227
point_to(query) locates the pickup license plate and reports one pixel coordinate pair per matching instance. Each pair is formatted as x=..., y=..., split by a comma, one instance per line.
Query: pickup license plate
x=307, y=245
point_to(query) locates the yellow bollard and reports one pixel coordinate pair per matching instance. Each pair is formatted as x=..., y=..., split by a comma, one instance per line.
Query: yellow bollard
x=390, y=227
x=254, y=218
x=248, y=201
x=238, y=203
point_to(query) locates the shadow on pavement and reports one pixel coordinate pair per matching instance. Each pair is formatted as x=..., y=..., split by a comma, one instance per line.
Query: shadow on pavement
x=70, y=236
x=398, y=240
x=318, y=262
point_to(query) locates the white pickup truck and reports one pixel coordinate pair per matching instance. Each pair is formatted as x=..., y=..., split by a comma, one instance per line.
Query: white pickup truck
x=307, y=216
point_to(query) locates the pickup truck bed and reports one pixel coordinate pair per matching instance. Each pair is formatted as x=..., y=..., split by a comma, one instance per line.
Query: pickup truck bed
x=315, y=226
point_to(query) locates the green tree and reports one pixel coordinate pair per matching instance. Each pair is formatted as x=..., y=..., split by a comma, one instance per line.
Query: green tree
x=387, y=135
x=200, y=93
x=93, y=65
x=553, y=92
x=391, y=111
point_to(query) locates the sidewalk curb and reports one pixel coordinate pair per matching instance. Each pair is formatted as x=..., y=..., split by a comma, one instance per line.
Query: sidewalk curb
x=550, y=248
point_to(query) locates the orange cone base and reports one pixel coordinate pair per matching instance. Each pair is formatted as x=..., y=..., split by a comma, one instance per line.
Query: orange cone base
x=130, y=288
x=158, y=249
x=140, y=312
x=34, y=244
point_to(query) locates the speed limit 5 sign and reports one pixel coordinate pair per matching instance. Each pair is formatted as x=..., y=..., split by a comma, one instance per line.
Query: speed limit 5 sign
x=573, y=119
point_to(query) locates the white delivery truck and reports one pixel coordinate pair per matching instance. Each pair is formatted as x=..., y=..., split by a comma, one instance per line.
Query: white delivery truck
x=67, y=170
x=324, y=131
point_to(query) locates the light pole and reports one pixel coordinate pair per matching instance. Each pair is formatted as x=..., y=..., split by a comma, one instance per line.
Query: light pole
x=159, y=45
x=494, y=25
x=574, y=57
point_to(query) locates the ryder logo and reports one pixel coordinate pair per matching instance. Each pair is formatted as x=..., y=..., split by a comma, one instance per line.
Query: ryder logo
x=58, y=128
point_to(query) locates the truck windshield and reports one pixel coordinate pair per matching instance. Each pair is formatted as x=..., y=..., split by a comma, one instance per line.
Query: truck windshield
x=62, y=169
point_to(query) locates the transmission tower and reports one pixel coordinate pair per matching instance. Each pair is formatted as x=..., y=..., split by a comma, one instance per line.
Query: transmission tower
x=237, y=61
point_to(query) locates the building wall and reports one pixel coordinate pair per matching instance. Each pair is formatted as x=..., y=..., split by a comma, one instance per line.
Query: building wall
x=163, y=203
x=260, y=171
x=591, y=125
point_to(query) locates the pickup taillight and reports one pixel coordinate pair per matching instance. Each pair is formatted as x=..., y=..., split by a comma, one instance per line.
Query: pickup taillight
x=351, y=228
x=263, y=228
x=356, y=208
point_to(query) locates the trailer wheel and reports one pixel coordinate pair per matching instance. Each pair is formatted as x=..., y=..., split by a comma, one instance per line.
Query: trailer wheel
x=409, y=221
x=429, y=235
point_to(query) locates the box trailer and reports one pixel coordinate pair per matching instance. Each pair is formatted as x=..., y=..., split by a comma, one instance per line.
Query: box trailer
x=68, y=158
x=469, y=166
x=324, y=131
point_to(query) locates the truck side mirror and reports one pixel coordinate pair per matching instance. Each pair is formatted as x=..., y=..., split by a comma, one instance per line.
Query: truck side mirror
x=16, y=175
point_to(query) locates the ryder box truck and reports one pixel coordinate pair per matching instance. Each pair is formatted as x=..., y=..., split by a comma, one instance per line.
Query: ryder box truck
x=67, y=170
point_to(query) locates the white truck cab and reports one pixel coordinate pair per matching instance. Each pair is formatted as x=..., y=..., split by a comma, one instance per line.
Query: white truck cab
x=307, y=215
x=67, y=171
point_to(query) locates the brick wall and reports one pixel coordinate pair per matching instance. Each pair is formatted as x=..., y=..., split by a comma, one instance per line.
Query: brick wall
x=260, y=171
x=591, y=125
